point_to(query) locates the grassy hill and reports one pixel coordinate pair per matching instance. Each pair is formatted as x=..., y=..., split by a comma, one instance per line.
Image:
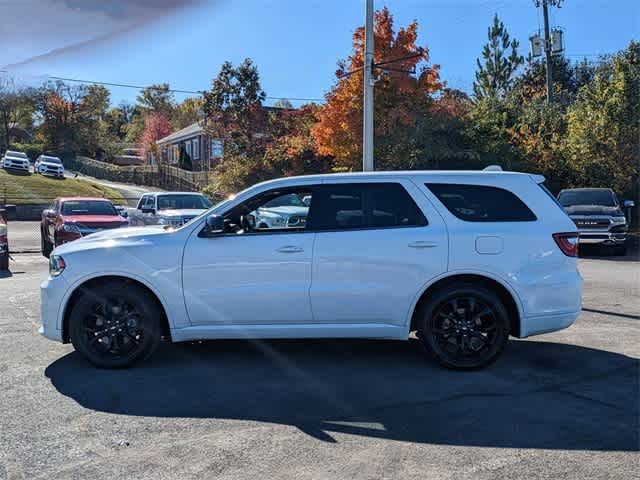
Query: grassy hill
x=21, y=189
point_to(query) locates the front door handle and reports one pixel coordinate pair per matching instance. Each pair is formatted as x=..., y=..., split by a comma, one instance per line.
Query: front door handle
x=290, y=249
x=422, y=244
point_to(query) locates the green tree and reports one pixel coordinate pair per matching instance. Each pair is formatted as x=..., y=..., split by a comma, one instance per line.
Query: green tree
x=156, y=98
x=16, y=108
x=604, y=126
x=233, y=108
x=500, y=61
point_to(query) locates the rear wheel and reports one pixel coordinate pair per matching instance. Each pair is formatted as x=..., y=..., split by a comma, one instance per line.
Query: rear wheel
x=620, y=250
x=115, y=325
x=464, y=326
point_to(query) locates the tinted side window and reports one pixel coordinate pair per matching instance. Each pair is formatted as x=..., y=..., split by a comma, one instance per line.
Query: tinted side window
x=364, y=205
x=480, y=203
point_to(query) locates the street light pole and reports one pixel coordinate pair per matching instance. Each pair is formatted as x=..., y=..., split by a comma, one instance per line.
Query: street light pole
x=367, y=134
x=547, y=51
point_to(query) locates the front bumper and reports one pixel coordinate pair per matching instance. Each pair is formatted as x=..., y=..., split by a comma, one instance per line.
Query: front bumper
x=53, y=173
x=52, y=293
x=591, y=237
x=16, y=166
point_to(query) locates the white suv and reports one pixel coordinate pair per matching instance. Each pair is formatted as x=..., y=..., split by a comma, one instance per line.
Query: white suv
x=13, y=160
x=464, y=259
x=48, y=165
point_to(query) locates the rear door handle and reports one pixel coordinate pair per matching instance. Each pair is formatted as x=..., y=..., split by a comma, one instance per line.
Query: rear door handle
x=422, y=244
x=290, y=249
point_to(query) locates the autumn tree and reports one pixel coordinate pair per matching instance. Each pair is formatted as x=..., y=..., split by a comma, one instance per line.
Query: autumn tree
x=500, y=61
x=156, y=126
x=604, y=125
x=187, y=112
x=401, y=98
x=16, y=108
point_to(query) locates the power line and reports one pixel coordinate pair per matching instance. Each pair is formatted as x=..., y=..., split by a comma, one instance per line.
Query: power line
x=172, y=90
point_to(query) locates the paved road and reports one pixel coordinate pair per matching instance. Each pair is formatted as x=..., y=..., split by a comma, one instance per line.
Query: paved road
x=131, y=193
x=563, y=405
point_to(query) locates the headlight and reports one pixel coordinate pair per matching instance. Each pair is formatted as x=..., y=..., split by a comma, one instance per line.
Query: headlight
x=162, y=221
x=56, y=265
x=70, y=227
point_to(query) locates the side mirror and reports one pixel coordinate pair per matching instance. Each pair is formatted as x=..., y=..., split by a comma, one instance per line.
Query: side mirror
x=124, y=213
x=50, y=213
x=629, y=204
x=214, y=225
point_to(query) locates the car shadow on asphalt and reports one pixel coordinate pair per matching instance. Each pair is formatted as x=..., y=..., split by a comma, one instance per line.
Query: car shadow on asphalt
x=538, y=395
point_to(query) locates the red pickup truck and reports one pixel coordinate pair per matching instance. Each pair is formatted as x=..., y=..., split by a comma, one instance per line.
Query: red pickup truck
x=71, y=218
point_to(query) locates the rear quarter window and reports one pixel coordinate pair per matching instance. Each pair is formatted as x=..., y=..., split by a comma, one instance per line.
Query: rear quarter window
x=481, y=203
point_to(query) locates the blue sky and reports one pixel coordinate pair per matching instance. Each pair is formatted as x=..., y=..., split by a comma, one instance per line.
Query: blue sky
x=295, y=43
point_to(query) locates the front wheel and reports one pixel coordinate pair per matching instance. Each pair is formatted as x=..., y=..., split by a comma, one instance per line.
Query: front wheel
x=115, y=325
x=464, y=326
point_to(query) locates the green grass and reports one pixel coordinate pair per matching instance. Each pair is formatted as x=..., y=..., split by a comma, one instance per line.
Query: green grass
x=21, y=189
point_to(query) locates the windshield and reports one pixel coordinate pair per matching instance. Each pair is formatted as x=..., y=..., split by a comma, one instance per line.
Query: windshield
x=604, y=198
x=88, y=207
x=181, y=202
x=51, y=160
x=13, y=153
x=290, y=200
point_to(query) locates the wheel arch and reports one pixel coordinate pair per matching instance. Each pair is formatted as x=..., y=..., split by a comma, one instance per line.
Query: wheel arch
x=504, y=291
x=81, y=288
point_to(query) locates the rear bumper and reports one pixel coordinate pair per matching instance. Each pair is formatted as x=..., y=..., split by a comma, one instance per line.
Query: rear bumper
x=547, y=323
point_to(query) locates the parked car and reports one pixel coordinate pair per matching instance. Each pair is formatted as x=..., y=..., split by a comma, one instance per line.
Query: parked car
x=4, y=245
x=464, y=259
x=17, y=161
x=71, y=218
x=287, y=211
x=168, y=208
x=48, y=165
x=598, y=215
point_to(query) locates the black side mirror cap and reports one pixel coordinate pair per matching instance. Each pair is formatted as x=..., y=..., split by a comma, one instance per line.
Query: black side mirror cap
x=214, y=225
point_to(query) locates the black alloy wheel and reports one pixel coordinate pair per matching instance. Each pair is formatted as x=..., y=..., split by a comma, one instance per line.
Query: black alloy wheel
x=115, y=325
x=464, y=327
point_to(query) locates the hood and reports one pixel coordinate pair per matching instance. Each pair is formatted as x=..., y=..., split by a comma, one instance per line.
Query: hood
x=595, y=210
x=93, y=219
x=180, y=213
x=112, y=238
x=289, y=210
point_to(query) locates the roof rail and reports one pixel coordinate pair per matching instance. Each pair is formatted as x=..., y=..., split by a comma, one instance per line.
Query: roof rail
x=492, y=168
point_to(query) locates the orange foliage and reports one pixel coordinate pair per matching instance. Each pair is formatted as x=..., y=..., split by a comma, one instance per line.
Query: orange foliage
x=399, y=97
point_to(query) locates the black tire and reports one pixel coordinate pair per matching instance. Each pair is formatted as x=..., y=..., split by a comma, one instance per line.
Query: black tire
x=115, y=325
x=45, y=246
x=465, y=327
x=4, y=262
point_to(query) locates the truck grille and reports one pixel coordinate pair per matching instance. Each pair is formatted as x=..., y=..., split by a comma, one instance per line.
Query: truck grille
x=592, y=223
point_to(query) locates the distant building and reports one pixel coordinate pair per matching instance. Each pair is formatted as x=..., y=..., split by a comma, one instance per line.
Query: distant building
x=190, y=148
x=129, y=156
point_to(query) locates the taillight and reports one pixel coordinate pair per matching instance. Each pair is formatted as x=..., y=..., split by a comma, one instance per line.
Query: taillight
x=567, y=242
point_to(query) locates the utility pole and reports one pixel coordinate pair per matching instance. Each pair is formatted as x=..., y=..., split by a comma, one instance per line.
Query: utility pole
x=367, y=133
x=547, y=51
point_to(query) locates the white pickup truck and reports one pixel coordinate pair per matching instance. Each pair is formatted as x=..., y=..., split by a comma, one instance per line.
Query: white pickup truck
x=167, y=208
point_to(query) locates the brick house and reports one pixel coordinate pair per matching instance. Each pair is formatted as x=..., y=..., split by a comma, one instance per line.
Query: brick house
x=189, y=148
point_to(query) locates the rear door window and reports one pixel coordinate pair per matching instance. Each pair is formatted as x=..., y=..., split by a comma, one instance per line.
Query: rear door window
x=364, y=205
x=481, y=203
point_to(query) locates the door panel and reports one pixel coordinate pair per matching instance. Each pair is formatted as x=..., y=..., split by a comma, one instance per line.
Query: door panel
x=248, y=279
x=372, y=275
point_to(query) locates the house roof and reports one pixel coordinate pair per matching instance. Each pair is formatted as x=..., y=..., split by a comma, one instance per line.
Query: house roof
x=186, y=132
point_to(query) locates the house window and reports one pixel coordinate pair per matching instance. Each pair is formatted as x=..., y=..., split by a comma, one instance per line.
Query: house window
x=176, y=154
x=195, y=146
x=187, y=148
x=169, y=154
x=216, y=148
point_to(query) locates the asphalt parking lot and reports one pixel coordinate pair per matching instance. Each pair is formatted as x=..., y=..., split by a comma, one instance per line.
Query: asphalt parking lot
x=563, y=405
